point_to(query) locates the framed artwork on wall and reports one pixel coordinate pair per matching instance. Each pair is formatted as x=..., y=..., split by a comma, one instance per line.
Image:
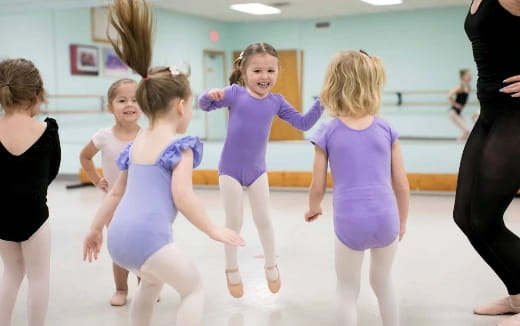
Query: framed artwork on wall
x=84, y=60
x=100, y=25
x=112, y=65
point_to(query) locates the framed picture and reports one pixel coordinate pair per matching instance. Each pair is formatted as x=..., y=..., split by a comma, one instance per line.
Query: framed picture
x=112, y=65
x=84, y=60
x=100, y=25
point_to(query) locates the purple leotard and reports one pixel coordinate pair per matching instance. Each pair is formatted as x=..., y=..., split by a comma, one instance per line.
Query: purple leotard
x=142, y=222
x=365, y=207
x=250, y=119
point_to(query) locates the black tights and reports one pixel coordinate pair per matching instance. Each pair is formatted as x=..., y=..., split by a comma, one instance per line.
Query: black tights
x=489, y=177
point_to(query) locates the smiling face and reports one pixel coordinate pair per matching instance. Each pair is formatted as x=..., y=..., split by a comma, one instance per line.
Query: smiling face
x=124, y=106
x=260, y=74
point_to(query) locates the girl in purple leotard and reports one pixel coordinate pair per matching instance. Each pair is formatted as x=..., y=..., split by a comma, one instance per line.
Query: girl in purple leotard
x=371, y=190
x=154, y=182
x=252, y=108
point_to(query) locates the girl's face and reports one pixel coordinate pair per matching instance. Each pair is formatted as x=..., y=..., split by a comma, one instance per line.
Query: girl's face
x=184, y=111
x=124, y=107
x=260, y=74
x=466, y=77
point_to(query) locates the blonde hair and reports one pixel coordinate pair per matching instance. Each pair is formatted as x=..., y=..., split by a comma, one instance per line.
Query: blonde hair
x=353, y=84
x=134, y=23
x=112, y=90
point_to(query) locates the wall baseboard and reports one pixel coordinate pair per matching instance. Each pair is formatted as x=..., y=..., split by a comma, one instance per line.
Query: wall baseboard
x=418, y=181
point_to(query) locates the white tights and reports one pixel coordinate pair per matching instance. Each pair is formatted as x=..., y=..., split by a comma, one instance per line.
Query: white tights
x=348, y=270
x=31, y=258
x=172, y=266
x=233, y=196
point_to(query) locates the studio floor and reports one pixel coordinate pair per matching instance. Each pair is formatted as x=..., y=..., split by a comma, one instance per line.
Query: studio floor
x=440, y=277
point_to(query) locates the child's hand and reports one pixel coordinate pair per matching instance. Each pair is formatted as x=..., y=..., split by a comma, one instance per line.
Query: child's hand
x=216, y=94
x=92, y=245
x=312, y=214
x=402, y=231
x=227, y=236
x=102, y=184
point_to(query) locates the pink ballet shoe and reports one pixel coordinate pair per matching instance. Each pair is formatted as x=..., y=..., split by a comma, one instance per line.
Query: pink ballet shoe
x=500, y=307
x=236, y=290
x=274, y=285
x=511, y=321
x=118, y=299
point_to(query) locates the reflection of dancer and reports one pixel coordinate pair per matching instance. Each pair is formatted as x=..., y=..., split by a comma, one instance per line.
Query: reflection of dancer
x=370, y=186
x=111, y=141
x=252, y=108
x=29, y=160
x=489, y=174
x=155, y=182
x=458, y=98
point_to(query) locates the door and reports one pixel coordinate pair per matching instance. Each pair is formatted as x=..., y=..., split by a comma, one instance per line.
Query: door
x=215, y=122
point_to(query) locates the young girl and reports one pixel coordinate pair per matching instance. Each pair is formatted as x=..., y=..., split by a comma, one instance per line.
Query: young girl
x=155, y=181
x=252, y=108
x=370, y=186
x=458, y=98
x=111, y=141
x=30, y=158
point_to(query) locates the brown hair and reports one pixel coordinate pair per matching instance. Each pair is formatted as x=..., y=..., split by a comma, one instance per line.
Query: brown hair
x=462, y=72
x=241, y=61
x=134, y=24
x=20, y=84
x=353, y=84
x=112, y=90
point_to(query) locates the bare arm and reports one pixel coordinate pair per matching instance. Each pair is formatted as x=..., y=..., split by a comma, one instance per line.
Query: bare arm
x=452, y=96
x=400, y=186
x=85, y=157
x=318, y=184
x=190, y=206
x=94, y=240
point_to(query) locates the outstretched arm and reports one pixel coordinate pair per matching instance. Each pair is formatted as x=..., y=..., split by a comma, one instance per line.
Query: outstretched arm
x=298, y=120
x=94, y=240
x=216, y=98
x=190, y=206
x=318, y=184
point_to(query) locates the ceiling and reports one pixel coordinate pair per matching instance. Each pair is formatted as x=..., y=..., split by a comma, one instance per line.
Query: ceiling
x=219, y=9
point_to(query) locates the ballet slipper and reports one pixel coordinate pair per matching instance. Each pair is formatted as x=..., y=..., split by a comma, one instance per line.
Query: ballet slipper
x=274, y=285
x=500, y=307
x=119, y=298
x=511, y=321
x=236, y=290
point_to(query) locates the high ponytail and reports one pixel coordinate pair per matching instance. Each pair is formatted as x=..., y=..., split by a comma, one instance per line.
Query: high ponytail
x=134, y=23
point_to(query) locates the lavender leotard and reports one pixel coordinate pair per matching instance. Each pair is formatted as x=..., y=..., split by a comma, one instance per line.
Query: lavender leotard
x=142, y=222
x=365, y=207
x=250, y=119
